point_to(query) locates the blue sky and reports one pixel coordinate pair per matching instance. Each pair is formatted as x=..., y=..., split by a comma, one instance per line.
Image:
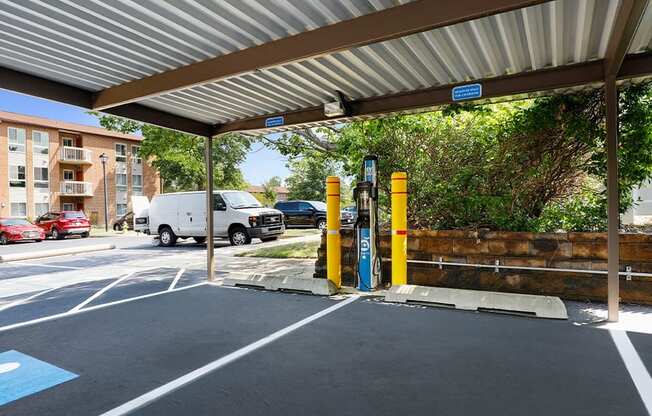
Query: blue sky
x=261, y=163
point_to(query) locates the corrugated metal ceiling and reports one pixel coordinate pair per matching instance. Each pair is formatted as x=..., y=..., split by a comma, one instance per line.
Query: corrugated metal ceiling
x=95, y=44
x=548, y=35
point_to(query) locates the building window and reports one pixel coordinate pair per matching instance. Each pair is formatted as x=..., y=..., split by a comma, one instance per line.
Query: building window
x=41, y=208
x=135, y=155
x=41, y=178
x=40, y=142
x=121, y=181
x=17, y=176
x=18, y=209
x=68, y=206
x=137, y=184
x=68, y=142
x=68, y=175
x=121, y=209
x=120, y=152
x=16, y=140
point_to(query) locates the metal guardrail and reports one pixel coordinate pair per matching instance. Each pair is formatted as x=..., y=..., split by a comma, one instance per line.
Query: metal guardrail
x=497, y=266
x=76, y=188
x=76, y=154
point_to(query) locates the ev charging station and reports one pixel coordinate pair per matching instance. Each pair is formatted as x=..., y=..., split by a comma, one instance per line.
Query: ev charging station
x=368, y=270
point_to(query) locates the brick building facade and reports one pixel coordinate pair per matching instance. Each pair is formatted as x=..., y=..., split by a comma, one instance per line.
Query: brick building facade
x=48, y=165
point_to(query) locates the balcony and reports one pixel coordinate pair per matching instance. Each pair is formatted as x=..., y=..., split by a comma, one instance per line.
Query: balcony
x=75, y=188
x=76, y=155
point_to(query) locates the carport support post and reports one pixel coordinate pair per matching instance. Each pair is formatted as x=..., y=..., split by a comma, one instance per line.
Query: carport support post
x=613, y=215
x=210, y=249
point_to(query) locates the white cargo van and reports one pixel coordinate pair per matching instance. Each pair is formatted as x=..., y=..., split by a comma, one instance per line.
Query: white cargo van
x=237, y=216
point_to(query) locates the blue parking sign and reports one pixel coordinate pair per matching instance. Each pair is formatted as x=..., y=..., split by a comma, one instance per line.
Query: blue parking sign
x=22, y=375
x=467, y=92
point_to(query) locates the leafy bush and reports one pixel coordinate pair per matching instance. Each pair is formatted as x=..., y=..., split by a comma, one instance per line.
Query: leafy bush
x=533, y=165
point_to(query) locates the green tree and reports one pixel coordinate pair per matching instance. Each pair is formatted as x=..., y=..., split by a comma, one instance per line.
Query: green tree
x=269, y=190
x=179, y=157
x=535, y=165
x=308, y=175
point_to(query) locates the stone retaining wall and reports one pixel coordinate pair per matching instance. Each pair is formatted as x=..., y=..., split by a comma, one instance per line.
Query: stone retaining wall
x=586, y=251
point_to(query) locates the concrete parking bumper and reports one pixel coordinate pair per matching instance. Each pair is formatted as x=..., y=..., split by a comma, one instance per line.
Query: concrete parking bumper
x=323, y=287
x=539, y=306
x=56, y=252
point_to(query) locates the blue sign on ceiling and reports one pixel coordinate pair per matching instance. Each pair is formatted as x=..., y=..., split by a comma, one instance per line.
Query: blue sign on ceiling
x=274, y=121
x=467, y=92
x=22, y=375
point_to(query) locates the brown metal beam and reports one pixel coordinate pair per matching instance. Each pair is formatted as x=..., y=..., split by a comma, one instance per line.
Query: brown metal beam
x=161, y=118
x=636, y=65
x=542, y=80
x=40, y=87
x=395, y=22
x=44, y=88
x=625, y=25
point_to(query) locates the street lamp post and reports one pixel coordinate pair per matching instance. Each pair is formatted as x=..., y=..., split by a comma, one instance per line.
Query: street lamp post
x=104, y=158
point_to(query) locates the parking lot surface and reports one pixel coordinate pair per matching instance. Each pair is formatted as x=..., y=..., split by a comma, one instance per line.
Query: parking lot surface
x=138, y=330
x=208, y=350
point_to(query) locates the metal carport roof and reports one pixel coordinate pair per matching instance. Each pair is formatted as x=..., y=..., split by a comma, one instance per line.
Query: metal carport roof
x=209, y=67
x=227, y=65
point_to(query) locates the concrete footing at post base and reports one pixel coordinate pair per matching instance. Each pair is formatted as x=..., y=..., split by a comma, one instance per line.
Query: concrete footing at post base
x=323, y=287
x=532, y=305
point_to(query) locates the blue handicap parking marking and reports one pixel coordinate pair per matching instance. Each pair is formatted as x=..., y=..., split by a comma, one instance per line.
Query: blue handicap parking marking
x=22, y=375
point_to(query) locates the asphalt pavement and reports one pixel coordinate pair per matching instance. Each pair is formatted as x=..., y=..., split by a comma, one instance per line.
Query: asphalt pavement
x=208, y=350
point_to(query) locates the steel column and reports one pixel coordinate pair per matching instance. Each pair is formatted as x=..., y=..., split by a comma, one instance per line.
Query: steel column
x=613, y=215
x=210, y=249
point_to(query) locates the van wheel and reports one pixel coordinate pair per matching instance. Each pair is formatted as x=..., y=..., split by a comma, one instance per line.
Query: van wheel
x=166, y=237
x=117, y=227
x=238, y=236
x=321, y=224
x=199, y=240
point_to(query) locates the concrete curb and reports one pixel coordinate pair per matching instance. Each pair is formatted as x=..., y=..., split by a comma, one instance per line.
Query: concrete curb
x=53, y=253
x=539, y=306
x=323, y=287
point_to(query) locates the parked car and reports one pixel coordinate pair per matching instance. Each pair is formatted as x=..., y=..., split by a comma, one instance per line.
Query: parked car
x=19, y=229
x=348, y=215
x=303, y=214
x=124, y=222
x=60, y=224
x=237, y=216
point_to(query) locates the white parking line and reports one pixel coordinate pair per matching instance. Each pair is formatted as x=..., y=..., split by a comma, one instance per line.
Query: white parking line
x=100, y=292
x=176, y=384
x=92, y=308
x=176, y=279
x=27, y=299
x=637, y=371
x=54, y=266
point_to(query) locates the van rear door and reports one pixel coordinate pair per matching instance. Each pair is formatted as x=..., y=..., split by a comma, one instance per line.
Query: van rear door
x=140, y=207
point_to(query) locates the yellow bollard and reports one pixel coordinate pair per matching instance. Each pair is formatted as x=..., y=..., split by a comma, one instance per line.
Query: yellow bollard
x=333, y=248
x=399, y=228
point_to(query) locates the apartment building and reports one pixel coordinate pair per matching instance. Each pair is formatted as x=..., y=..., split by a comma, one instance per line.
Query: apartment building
x=48, y=165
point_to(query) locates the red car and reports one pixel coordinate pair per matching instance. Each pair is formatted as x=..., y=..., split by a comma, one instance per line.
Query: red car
x=18, y=229
x=60, y=224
